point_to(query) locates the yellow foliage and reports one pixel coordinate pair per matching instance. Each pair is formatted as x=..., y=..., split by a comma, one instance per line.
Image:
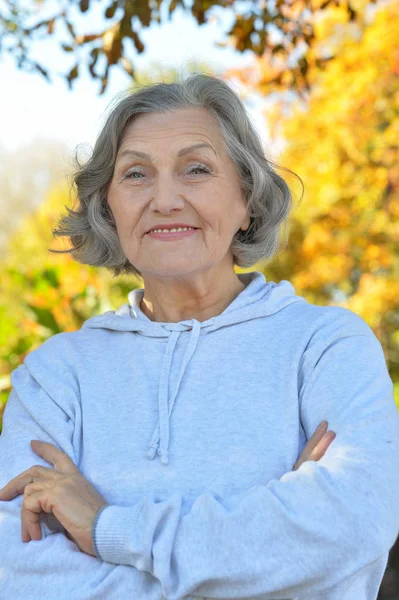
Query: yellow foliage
x=344, y=143
x=44, y=293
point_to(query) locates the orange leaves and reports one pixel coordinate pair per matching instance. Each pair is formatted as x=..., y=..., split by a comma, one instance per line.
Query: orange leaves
x=344, y=143
x=322, y=270
x=376, y=296
x=318, y=237
x=376, y=257
x=395, y=63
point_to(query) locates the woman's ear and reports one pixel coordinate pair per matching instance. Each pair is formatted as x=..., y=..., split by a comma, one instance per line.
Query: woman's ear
x=246, y=223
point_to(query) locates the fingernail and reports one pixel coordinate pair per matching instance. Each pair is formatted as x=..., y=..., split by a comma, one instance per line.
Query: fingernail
x=322, y=425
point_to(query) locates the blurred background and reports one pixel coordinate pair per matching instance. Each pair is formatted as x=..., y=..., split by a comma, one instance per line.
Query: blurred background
x=320, y=80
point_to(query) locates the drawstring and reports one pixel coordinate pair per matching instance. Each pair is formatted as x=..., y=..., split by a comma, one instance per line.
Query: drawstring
x=160, y=440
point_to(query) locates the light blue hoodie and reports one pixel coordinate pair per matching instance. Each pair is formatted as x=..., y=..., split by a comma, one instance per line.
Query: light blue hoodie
x=190, y=431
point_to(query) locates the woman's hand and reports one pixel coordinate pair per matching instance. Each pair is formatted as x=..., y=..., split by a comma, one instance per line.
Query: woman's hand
x=317, y=445
x=62, y=491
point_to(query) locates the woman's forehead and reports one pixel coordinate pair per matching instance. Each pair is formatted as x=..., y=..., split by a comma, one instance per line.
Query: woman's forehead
x=175, y=123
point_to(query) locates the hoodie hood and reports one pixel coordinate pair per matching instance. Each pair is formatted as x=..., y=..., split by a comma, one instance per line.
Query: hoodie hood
x=257, y=300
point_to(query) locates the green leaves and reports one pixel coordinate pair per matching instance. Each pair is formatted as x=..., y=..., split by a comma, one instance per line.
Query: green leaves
x=45, y=318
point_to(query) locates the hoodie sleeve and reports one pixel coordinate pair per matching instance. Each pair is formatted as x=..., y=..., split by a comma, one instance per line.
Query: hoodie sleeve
x=44, y=404
x=305, y=532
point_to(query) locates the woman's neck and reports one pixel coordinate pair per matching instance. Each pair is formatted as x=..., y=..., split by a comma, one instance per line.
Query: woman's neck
x=176, y=306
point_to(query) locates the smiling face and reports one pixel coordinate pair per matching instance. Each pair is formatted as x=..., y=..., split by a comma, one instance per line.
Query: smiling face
x=199, y=187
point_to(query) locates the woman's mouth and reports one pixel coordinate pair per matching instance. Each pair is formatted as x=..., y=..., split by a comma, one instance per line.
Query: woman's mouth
x=172, y=235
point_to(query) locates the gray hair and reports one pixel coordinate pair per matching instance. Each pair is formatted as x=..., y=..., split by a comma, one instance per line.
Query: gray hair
x=92, y=228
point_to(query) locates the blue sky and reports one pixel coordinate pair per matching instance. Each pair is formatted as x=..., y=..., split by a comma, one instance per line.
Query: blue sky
x=31, y=108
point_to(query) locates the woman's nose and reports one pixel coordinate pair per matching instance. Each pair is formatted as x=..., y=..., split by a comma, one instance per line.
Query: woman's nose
x=166, y=197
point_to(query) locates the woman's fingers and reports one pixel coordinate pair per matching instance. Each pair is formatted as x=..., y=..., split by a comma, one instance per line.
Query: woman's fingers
x=317, y=436
x=322, y=446
x=31, y=512
x=314, y=441
x=316, y=446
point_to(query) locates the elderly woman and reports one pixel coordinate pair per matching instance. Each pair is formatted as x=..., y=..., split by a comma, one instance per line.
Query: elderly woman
x=165, y=432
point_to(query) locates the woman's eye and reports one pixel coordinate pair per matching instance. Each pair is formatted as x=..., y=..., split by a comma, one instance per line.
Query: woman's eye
x=200, y=168
x=129, y=175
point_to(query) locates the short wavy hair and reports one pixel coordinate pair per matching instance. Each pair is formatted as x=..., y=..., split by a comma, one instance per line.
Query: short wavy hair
x=92, y=229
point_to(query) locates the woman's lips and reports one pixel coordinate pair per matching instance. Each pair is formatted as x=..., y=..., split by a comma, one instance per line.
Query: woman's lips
x=173, y=235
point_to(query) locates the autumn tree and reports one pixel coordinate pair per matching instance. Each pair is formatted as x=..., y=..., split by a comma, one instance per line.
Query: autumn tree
x=343, y=141
x=276, y=31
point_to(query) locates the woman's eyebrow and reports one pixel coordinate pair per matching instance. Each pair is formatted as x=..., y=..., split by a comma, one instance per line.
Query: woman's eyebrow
x=180, y=153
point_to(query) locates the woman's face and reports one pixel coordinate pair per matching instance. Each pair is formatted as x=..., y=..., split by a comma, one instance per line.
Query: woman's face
x=200, y=188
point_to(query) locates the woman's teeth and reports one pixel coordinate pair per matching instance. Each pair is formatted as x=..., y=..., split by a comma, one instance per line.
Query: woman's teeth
x=169, y=230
